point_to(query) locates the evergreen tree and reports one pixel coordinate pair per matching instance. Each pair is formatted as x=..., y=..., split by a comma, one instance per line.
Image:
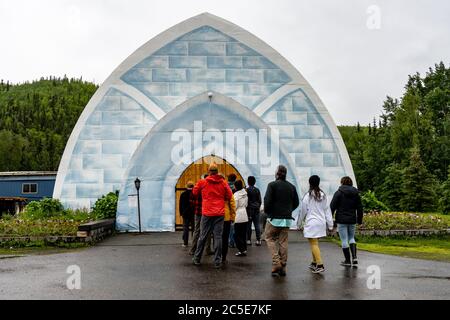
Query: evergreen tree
x=391, y=190
x=419, y=187
x=444, y=201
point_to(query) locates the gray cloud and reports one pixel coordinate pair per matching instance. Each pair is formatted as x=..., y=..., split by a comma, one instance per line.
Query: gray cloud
x=351, y=67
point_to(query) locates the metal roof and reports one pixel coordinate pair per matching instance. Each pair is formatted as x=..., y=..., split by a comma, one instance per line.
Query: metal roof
x=27, y=173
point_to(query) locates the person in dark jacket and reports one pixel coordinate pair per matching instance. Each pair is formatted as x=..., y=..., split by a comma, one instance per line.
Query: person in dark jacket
x=347, y=209
x=253, y=208
x=280, y=200
x=187, y=212
x=231, y=239
x=196, y=202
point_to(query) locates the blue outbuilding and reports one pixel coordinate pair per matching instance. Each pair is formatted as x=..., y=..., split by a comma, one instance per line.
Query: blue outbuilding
x=20, y=187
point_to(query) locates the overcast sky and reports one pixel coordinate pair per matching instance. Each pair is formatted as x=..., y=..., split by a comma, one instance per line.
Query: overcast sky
x=351, y=66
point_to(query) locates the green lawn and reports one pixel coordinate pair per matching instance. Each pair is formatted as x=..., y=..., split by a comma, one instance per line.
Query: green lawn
x=429, y=248
x=7, y=253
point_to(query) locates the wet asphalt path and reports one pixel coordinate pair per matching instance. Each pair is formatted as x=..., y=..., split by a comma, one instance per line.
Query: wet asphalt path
x=155, y=266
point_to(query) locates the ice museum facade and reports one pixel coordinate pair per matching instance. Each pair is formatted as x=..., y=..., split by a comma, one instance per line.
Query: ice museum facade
x=178, y=96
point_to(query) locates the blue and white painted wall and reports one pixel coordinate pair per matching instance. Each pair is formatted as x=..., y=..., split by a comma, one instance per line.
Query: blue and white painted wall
x=125, y=130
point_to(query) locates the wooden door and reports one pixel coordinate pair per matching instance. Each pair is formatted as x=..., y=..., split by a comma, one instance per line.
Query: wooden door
x=194, y=173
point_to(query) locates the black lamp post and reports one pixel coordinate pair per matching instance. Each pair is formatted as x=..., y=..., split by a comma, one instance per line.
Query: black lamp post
x=137, y=184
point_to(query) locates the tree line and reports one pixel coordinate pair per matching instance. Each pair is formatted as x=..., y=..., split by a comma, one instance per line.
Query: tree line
x=402, y=158
x=36, y=119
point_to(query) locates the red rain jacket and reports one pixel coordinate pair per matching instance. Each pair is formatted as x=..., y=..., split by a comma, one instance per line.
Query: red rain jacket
x=215, y=191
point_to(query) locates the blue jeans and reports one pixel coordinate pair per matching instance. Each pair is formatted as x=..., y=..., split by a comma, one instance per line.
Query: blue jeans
x=253, y=217
x=231, y=240
x=346, y=234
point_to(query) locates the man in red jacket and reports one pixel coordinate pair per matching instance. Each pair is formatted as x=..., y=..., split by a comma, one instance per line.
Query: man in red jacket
x=214, y=191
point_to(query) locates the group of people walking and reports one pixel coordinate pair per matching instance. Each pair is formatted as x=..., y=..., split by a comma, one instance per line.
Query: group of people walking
x=224, y=211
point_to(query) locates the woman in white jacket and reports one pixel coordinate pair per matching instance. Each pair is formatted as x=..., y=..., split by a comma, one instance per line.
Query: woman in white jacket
x=240, y=223
x=314, y=219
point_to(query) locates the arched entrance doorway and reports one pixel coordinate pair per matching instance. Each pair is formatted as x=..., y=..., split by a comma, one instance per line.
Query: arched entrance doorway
x=194, y=173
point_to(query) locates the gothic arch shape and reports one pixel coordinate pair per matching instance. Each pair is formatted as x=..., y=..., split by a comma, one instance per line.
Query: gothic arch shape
x=152, y=162
x=204, y=53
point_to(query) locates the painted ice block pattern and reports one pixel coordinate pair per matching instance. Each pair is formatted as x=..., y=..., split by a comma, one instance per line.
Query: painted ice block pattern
x=308, y=140
x=154, y=163
x=206, y=59
x=125, y=130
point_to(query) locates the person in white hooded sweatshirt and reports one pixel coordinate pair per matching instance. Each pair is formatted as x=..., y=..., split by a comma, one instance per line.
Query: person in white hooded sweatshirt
x=241, y=221
x=314, y=219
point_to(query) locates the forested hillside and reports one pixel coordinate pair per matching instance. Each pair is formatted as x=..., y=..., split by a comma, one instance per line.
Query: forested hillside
x=36, y=120
x=404, y=156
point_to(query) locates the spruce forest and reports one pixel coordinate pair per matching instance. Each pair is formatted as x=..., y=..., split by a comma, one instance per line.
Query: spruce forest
x=402, y=158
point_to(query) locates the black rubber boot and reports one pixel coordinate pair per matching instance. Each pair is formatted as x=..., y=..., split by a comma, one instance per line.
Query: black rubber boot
x=354, y=257
x=347, y=262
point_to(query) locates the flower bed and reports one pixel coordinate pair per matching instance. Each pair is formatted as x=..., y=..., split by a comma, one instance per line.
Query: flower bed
x=402, y=221
x=49, y=227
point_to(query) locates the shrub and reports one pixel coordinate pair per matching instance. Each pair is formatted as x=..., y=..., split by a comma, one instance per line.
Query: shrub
x=444, y=201
x=52, y=209
x=371, y=203
x=44, y=209
x=106, y=206
x=28, y=227
x=7, y=217
x=402, y=221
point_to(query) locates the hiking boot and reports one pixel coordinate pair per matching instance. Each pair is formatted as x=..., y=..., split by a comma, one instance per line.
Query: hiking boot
x=312, y=266
x=354, y=257
x=319, y=269
x=276, y=270
x=195, y=261
x=258, y=243
x=346, y=262
x=282, y=271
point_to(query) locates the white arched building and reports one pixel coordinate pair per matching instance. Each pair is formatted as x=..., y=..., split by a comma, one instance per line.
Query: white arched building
x=204, y=76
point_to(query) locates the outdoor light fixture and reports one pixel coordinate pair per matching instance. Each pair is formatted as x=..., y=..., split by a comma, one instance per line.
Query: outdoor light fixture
x=137, y=184
x=210, y=96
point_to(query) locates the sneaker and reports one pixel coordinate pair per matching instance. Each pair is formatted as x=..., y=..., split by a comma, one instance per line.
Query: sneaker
x=184, y=245
x=258, y=243
x=241, y=254
x=320, y=268
x=346, y=263
x=196, y=261
x=313, y=266
x=218, y=265
x=249, y=242
x=231, y=245
x=355, y=263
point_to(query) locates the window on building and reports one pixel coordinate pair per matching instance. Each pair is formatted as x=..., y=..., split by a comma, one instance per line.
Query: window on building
x=29, y=188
